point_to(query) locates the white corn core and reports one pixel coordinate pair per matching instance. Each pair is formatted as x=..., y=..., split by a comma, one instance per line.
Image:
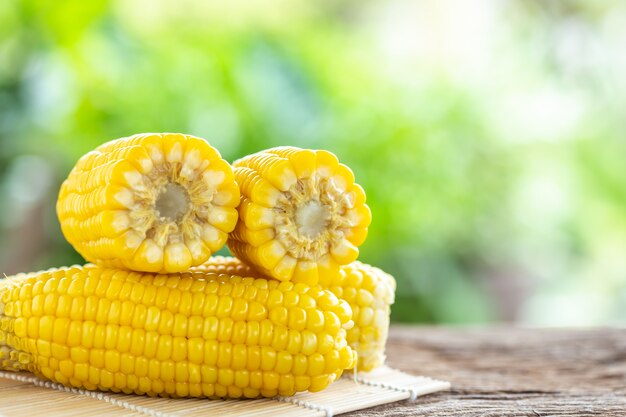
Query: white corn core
x=312, y=218
x=173, y=202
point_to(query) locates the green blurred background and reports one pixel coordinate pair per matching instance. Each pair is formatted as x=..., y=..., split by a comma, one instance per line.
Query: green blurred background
x=490, y=136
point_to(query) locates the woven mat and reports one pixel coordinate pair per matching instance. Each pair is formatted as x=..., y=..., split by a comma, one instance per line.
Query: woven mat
x=25, y=395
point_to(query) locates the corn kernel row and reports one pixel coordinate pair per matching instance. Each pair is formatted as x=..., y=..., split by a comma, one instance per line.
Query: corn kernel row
x=368, y=290
x=95, y=328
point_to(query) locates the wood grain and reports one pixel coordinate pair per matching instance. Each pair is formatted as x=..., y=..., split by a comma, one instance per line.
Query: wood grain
x=512, y=372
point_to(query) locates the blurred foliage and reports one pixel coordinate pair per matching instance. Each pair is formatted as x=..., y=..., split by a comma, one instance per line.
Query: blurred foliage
x=490, y=137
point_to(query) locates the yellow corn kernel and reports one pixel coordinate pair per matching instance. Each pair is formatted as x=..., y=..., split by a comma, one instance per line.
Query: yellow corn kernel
x=368, y=293
x=145, y=203
x=238, y=347
x=301, y=214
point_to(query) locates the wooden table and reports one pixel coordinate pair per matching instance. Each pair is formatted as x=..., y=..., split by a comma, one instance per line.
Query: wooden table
x=512, y=372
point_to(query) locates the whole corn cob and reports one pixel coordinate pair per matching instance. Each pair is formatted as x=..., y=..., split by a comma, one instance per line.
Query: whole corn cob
x=369, y=291
x=182, y=335
x=301, y=214
x=149, y=202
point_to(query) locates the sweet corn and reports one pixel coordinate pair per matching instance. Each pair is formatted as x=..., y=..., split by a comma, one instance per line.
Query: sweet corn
x=179, y=335
x=301, y=214
x=369, y=291
x=149, y=202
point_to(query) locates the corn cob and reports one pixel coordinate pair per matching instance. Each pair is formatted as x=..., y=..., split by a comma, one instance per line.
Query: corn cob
x=301, y=214
x=149, y=202
x=178, y=335
x=368, y=290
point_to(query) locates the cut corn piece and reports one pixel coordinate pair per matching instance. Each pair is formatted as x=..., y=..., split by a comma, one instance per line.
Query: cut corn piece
x=145, y=202
x=190, y=334
x=368, y=290
x=301, y=214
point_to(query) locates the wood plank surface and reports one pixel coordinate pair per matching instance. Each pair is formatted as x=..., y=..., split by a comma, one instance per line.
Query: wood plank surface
x=512, y=372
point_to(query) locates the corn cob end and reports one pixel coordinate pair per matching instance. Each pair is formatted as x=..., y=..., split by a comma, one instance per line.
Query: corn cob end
x=302, y=215
x=149, y=202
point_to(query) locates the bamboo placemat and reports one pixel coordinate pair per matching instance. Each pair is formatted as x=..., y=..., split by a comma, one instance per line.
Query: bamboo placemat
x=25, y=395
